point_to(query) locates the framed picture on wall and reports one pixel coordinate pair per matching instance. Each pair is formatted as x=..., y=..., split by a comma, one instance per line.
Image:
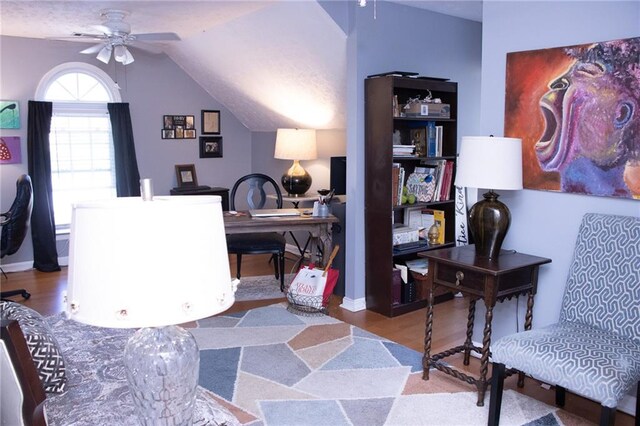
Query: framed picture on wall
x=186, y=175
x=210, y=146
x=210, y=122
x=178, y=127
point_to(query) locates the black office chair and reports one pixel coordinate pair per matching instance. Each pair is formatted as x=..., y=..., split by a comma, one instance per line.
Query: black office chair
x=256, y=185
x=14, y=226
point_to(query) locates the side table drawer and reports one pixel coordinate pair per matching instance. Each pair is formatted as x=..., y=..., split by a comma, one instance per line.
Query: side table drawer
x=460, y=279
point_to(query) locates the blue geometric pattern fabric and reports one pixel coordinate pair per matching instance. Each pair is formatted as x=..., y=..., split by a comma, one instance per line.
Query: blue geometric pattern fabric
x=603, y=288
x=575, y=357
x=595, y=348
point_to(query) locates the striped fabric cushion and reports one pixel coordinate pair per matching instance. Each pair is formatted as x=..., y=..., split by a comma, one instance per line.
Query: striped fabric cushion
x=43, y=346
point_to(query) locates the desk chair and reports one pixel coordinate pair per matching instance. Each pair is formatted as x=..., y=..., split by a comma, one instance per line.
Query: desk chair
x=14, y=224
x=256, y=186
x=594, y=350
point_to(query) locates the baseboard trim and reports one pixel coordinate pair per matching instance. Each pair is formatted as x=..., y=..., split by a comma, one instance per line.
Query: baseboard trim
x=25, y=266
x=17, y=266
x=628, y=405
x=354, y=305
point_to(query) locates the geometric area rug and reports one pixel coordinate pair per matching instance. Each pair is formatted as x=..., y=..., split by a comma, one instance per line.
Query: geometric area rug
x=269, y=366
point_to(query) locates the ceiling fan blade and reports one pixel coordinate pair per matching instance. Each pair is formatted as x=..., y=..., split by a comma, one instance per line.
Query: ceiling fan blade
x=156, y=37
x=147, y=47
x=103, y=29
x=82, y=38
x=93, y=49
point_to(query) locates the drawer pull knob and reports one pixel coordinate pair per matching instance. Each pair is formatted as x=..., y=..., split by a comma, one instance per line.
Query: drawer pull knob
x=459, y=277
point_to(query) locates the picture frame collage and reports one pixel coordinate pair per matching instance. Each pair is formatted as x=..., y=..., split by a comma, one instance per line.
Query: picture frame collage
x=183, y=127
x=178, y=127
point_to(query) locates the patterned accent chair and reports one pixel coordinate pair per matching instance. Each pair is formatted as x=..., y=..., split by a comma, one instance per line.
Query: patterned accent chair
x=594, y=349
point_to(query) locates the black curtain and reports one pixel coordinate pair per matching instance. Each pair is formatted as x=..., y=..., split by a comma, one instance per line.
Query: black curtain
x=127, y=175
x=43, y=225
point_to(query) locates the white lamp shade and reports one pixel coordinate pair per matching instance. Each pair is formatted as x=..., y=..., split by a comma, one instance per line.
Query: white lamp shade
x=135, y=263
x=122, y=54
x=490, y=162
x=296, y=144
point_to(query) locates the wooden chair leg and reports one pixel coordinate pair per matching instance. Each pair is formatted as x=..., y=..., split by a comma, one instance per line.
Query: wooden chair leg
x=275, y=259
x=560, y=396
x=281, y=260
x=497, y=385
x=638, y=405
x=607, y=416
x=238, y=265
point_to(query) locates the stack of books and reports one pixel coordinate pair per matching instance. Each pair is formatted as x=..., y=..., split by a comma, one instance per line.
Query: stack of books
x=403, y=150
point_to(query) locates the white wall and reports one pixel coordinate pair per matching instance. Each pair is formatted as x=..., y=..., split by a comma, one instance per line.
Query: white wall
x=153, y=85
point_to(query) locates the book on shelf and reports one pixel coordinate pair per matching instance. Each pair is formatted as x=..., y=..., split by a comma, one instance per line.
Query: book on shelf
x=420, y=265
x=395, y=176
x=439, y=130
x=445, y=192
x=431, y=216
x=431, y=139
x=438, y=173
x=397, y=182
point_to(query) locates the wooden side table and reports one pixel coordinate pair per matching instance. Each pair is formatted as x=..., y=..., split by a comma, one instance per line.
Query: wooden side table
x=459, y=269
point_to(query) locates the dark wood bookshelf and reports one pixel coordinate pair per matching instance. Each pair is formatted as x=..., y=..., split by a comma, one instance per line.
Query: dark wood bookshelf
x=380, y=124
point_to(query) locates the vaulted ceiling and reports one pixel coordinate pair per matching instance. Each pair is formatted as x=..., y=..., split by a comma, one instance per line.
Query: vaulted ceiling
x=272, y=63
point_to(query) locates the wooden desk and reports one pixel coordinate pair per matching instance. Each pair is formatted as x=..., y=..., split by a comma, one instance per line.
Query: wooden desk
x=318, y=227
x=459, y=269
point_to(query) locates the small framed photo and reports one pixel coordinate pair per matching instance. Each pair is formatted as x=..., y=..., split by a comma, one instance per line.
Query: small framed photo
x=210, y=146
x=186, y=175
x=168, y=134
x=210, y=122
x=189, y=133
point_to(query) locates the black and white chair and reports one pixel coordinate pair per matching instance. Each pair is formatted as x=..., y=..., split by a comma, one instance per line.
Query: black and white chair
x=254, y=188
x=594, y=349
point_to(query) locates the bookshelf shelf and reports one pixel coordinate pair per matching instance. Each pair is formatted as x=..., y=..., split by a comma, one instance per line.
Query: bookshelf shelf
x=382, y=131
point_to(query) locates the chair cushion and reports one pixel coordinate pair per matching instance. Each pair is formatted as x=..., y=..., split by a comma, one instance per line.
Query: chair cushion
x=263, y=242
x=43, y=346
x=594, y=363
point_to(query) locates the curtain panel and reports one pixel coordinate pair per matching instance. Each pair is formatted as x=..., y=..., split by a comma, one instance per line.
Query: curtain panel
x=127, y=174
x=43, y=226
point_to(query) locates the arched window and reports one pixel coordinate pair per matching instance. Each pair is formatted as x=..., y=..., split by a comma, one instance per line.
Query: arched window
x=82, y=158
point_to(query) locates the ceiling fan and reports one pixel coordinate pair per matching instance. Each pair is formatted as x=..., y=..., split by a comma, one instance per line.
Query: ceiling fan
x=116, y=38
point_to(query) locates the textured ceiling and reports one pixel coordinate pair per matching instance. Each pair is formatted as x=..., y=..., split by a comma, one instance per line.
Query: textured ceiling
x=272, y=63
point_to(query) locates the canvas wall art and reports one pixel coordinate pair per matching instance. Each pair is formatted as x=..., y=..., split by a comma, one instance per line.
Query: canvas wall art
x=9, y=115
x=577, y=110
x=10, y=152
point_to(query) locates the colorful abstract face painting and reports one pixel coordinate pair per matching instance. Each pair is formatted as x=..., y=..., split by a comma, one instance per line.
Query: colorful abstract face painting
x=577, y=110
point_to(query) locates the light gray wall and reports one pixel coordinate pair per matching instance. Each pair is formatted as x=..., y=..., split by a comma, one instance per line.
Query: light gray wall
x=153, y=85
x=544, y=223
x=405, y=39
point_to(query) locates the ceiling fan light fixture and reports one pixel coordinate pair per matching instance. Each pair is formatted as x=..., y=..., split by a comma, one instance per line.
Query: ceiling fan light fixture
x=122, y=54
x=105, y=54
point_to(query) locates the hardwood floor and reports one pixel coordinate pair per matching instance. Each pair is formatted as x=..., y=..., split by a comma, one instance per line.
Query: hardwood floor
x=449, y=322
